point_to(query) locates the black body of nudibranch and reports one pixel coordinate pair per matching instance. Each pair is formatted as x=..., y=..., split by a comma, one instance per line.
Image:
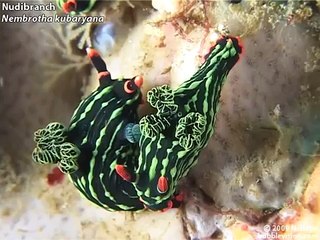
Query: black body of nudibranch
x=172, y=139
x=99, y=142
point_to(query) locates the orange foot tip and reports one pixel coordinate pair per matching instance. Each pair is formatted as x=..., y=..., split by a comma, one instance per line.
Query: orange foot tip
x=169, y=206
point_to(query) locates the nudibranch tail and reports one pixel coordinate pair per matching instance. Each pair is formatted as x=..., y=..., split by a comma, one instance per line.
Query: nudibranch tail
x=100, y=65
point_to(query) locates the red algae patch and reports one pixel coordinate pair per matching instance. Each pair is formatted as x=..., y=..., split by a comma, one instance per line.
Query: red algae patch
x=55, y=177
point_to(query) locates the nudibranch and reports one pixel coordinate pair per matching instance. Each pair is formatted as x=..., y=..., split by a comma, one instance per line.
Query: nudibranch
x=75, y=6
x=100, y=140
x=172, y=139
x=121, y=163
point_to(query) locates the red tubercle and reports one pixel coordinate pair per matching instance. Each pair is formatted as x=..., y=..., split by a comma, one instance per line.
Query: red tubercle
x=69, y=6
x=123, y=172
x=55, y=177
x=240, y=44
x=169, y=206
x=162, y=184
x=180, y=197
x=244, y=227
x=239, y=40
x=92, y=52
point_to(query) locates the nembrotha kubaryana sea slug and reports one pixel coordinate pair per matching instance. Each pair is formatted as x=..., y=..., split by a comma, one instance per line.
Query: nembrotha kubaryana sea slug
x=121, y=163
x=95, y=141
x=172, y=139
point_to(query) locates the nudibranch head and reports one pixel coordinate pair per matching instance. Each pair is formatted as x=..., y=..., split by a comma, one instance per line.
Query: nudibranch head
x=129, y=88
x=124, y=88
x=103, y=129
x=75, y=6
x=172, y=139
x=99, y=148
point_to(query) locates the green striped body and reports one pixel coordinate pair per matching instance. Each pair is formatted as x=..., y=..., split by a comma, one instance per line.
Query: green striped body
x=97, y=129
x=123, y=164
x=172, y=138
x=100, y=141
x=97, y=141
